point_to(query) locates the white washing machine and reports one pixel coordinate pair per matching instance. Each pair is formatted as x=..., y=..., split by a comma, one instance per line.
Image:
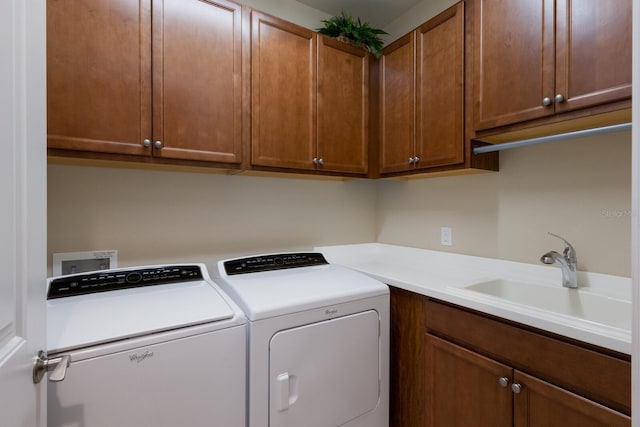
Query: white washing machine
x=318, y=341
x=158, y=346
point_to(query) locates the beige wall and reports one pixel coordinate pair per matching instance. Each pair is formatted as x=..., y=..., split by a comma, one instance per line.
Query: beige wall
x=160, y=216
x=301, y=14
x=416, y=16
x=290, y=10
x=579, y=189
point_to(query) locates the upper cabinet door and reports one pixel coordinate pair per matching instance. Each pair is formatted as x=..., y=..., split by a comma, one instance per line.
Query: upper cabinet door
x=440, y=89
x=397, y=105
x=283, y=80
x=343, y=106
x=513, y=61
x=99, y=75
x=593, y=52
x=197, y=70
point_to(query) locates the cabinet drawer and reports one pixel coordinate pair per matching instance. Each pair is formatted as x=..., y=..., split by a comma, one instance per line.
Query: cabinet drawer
x=595, y=375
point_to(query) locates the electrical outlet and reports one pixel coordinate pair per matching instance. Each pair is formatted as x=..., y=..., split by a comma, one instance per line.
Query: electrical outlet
x=446, y=236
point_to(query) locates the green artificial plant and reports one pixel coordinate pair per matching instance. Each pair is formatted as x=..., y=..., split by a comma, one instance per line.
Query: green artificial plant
x=360, y=34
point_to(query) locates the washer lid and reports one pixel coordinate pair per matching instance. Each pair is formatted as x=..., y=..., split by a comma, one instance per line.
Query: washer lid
x=273, y=293
x=90, y=319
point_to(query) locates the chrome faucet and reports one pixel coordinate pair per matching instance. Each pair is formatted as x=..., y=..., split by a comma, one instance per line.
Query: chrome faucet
x=568, y=262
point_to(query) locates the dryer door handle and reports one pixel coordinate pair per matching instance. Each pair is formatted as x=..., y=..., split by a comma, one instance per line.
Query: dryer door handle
x=286, y=390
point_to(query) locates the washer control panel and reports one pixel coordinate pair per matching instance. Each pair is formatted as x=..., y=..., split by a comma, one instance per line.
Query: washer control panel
x=112, y=280
x=273, y=262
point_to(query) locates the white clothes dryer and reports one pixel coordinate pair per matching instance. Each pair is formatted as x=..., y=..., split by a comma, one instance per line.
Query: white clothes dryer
x=318, y=341
x=158, y=346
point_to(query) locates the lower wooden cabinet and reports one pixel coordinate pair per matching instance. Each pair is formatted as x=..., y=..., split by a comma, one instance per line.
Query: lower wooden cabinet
x=540, y=404
x=451, y=366
x=464, y=388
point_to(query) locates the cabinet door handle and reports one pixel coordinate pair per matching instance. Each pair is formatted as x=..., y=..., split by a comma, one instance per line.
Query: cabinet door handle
x=158, y=144
x=411, y=160
x=416, y=159
x=503, y=381
x=516, y=388
x=546, y=101
x=146, y=143
x=559, y=98
x=321, y=161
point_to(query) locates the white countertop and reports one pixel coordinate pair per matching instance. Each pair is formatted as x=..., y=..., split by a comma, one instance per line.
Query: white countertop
x=441, y=275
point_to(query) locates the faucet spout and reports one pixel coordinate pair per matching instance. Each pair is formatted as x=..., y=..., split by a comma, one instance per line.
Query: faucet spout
x=567, y=266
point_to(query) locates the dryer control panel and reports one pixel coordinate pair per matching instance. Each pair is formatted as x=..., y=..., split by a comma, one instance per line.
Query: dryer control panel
x=260, y=263
x=112, y=280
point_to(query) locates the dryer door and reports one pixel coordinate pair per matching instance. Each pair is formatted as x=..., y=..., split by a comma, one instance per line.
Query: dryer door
x=326, y=373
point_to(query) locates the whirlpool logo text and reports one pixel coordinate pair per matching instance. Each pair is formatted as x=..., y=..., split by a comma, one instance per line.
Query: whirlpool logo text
x=140, y=357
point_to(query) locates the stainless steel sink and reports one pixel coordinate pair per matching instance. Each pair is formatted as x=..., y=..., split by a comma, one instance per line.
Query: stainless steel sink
x=581, y=303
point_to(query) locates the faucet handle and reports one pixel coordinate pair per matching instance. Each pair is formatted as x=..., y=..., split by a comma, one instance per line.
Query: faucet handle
x=569, y=251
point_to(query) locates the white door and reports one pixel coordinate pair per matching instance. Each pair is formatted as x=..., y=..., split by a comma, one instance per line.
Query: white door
x=325, y=374
x=22, y=209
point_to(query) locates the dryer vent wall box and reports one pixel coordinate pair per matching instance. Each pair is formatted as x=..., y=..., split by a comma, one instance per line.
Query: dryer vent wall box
x=82, y=262
x=318, y=341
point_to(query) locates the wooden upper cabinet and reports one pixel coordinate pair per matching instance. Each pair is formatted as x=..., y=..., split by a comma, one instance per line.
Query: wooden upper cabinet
x=343, y=107
x=197, y=70
x=593, y=52
x=283, y=60
x=537, y=58
x=99, y=75
x=513, y=60
x=422, y=96
x=100, y=82
x=397, y=105
x=440, y=89
x=541, y=404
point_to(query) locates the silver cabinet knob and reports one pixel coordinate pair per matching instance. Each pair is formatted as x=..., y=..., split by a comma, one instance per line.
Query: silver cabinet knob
x=321, y=161
x=146, y=143
x=410, y=160
x=559, y=98
x=157, y=144
x=416, y=159
x=504, y=381
x=546, y=101
x=516, y=388
x=315, y=161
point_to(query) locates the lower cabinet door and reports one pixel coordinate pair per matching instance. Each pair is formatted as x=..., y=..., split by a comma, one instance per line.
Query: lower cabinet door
x=463, y=389
x=540, y=404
